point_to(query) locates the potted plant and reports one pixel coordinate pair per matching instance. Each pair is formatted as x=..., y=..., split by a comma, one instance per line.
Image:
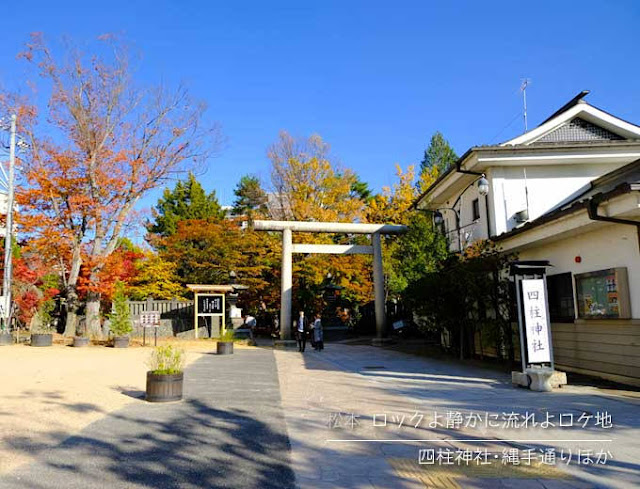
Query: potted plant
x=120, y=318
x=165, y=377
x=81, y=338
x=42, y=324
x=225, y=343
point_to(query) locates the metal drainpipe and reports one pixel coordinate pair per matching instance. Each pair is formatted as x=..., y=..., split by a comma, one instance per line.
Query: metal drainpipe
x=486, y=208
x=592, y=211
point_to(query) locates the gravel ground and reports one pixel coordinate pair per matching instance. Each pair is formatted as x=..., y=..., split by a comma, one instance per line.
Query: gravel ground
x=49, y=394
x=227, y=432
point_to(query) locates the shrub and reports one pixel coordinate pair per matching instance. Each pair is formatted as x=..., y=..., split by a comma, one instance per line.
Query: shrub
x=119, y=317
x=166, y=360
x=44, y=318
x=228, y=335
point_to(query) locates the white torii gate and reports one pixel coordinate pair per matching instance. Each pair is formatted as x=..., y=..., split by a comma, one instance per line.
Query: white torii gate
x=375, y=249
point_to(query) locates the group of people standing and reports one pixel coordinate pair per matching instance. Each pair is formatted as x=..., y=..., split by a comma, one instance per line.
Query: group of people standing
x=314, y=330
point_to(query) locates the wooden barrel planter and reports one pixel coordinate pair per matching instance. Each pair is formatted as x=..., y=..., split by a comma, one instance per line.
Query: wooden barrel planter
x=224, y=348
x=121, y=342
x=164, y=387
x=41, y=339
x=80, y=341
x=5, y=339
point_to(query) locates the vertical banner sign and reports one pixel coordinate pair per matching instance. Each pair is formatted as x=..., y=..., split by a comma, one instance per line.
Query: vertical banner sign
x=536, y=321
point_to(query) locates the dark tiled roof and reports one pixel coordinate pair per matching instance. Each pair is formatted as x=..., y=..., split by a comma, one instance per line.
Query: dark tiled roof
x=575, y=100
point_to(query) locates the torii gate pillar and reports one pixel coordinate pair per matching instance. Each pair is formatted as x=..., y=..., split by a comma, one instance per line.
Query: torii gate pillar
x=286, y=286
x=288, y=248
x=378, y=287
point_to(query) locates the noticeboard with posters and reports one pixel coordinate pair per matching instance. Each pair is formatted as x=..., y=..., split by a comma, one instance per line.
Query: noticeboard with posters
x=603, y=294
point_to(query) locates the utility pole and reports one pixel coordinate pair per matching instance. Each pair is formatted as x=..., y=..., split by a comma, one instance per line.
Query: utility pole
x=523, y=89
x=8, y=237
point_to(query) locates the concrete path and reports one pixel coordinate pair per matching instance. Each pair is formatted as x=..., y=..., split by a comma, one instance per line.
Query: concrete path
x=354, y=414
x=349, y=417
x=228, y=432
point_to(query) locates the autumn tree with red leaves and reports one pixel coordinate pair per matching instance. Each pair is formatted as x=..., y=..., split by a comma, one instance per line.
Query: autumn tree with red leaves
x=101, y=144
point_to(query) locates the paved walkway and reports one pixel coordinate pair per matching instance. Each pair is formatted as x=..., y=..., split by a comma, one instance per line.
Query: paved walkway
x=228, y=432
x=330, y=400
x=277, y=419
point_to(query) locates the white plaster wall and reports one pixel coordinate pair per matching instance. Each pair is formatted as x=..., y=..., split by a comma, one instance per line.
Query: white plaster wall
x=547, y=187
x=613, y=245
x=471, y=230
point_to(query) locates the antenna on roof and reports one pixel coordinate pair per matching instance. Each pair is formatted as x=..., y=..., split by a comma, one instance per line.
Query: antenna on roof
x=523, y=89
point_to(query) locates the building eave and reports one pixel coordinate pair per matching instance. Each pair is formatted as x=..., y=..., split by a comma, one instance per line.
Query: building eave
x=481, y=158
x=564, y=212
x=452, y=170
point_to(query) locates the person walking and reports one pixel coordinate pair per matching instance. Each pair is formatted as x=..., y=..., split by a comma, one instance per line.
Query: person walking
x=301, y=332
x=318, y=335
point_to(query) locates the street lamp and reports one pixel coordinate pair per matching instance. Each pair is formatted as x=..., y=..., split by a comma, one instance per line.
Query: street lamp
x=483, y=186
x=483, y=190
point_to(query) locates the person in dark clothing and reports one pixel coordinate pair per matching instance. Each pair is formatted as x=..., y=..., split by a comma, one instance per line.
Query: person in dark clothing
x=318, y=335
x=301, y=332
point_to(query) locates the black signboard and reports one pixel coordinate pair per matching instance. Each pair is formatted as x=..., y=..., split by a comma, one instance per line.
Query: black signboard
x=210, y=304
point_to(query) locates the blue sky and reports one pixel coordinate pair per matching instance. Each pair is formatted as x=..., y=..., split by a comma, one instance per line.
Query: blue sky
x=374, y=79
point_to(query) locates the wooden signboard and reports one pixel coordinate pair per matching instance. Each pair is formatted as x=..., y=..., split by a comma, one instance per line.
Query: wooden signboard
x=150, y=319
x=209, y=305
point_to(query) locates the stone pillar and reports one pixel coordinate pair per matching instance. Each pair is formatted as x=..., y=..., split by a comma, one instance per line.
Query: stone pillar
x=286, y=286
x=378, y=286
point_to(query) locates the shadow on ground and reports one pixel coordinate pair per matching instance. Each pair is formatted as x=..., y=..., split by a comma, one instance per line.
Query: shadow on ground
x=205, y=441
x=430, y=385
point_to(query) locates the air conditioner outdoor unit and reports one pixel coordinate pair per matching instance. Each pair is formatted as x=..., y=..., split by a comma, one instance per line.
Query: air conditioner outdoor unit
x=522, y=216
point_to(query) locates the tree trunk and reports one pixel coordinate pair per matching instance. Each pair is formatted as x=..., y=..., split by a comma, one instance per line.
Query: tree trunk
x=94, y=324
x=71, y=323
x=71, y=293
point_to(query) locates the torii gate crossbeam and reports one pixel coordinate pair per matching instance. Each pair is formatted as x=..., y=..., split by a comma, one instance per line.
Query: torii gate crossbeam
x=288, y=248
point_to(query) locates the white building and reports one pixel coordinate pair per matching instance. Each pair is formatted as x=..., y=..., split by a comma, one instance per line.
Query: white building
x=567, y=191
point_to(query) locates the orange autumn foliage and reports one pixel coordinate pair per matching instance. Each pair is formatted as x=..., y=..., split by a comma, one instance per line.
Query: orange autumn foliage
x=114, y=141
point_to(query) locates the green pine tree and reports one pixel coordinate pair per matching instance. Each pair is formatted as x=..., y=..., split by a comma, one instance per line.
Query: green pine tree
x=361, y=190
x=438, y=155
x=187, y=200
x=251, y=199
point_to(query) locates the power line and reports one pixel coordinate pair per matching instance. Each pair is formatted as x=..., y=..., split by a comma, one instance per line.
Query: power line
x=515, y=117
